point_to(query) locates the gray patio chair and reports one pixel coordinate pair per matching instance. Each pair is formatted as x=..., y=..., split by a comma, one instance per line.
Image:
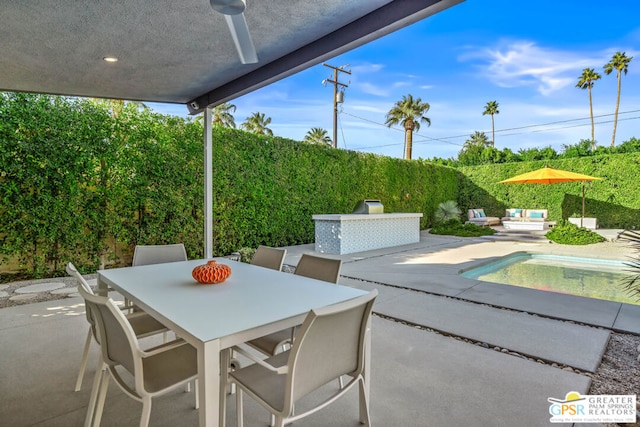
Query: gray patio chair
x=330, y=344
x=158, y=254
x=321, y=268
x=142, y=324
x=269, y=257
x=155, y=371
x=312, y=266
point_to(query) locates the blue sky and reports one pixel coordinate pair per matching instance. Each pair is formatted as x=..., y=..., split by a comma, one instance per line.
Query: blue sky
x=527, y=56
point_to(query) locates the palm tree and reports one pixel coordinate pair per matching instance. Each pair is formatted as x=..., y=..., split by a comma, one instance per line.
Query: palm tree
x=116, y=106
x=619, y=62
x=257, y=123
x=477, y=139
x=317, y=136
x=586, y=81
x=492, y=108
x=409, y=113
x=222, y=115
x=632, y=282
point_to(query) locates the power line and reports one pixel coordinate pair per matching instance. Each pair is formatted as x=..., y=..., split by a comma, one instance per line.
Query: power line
x=554, y=123
x=344, y=140
x=589, y=124
x=444, y=139
x=397, y=129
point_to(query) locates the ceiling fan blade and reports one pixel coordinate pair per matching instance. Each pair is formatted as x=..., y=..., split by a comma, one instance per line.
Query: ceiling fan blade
x=241, y=37
x=228, y=7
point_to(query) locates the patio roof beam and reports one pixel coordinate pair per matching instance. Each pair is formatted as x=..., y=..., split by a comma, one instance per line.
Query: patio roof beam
x=391, y=17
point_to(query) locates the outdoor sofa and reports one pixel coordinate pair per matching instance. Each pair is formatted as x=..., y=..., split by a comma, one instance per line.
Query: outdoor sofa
x=532, y=215
x=478, y=217
x=527, y=219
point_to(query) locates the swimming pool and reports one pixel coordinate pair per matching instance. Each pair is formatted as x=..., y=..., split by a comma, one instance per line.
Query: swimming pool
x=588, y=277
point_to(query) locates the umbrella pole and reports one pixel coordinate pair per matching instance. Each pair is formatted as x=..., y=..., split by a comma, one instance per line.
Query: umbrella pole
x=582, y=219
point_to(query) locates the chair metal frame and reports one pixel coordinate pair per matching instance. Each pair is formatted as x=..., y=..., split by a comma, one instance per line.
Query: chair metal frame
x=157, y=254
x=176, y=359
x=314, y=267
x=143, y=325
x=302, y=373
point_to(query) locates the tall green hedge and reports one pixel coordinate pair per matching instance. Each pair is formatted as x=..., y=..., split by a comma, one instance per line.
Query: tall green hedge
x=80, y=182
x=83, y=183
x=614, y=201
x=266, y=189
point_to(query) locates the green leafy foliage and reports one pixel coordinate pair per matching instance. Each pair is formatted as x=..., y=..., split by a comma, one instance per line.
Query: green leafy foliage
x=476, y=152
x=246, y=254
x=82, y=182
x=267, y=188
x=567, y=233
x=632, y=283
x=447, y=210
x=454, y=227
x=50, y=151
x=613, y=200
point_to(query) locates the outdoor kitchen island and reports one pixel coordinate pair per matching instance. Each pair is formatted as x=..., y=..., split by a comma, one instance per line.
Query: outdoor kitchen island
x=348, y=233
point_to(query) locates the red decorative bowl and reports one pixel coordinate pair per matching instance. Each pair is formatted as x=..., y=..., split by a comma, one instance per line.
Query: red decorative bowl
x=211, y=273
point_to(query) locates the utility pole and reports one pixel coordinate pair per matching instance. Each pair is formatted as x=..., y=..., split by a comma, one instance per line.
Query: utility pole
x=336, y=83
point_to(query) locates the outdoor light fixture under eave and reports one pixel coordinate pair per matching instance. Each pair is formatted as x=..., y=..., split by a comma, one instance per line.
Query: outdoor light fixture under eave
x=233, y=11
x=110, y=59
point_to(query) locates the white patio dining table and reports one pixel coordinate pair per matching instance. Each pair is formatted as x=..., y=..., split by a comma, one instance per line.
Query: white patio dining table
x=253, y=302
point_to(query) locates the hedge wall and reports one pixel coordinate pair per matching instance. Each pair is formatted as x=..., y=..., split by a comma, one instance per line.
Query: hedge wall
x=266, y=189
x=614, y=201
x=81, y=182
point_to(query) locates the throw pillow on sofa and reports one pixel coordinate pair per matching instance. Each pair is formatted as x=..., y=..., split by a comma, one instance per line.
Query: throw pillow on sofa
x=535, y=215
x=515, y=213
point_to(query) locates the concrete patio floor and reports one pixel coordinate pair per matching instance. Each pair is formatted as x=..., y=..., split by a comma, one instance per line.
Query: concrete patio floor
x=423, y=373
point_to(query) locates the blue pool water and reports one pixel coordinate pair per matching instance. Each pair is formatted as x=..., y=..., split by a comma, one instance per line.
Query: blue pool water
x=588, y=277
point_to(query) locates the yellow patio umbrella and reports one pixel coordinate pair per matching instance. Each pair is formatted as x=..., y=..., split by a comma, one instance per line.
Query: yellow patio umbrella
x=547, y=175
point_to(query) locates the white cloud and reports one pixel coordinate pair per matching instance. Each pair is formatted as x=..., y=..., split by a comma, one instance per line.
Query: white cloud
x=524, y=63
x=371, y=89
x=369, y=108
x=401, y=84
x=366, y=67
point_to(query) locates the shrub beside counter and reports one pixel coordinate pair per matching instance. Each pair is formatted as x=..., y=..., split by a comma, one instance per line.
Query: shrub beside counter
x=348, y=233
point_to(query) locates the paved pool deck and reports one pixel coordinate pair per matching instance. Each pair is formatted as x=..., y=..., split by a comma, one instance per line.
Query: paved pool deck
x=446, y=351
x=432, y=267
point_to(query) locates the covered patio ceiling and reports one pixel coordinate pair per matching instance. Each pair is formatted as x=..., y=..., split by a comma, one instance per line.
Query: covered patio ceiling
x=182, y=51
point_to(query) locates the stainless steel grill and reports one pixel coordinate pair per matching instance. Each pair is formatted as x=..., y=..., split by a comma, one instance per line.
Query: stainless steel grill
x=368, y=206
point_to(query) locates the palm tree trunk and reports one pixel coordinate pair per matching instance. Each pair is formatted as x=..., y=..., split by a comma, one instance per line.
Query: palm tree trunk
x=493, y=132
x=615, y=121
x=593, y=137
x=409, y=126
x=409, y=144
x=404, y=148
